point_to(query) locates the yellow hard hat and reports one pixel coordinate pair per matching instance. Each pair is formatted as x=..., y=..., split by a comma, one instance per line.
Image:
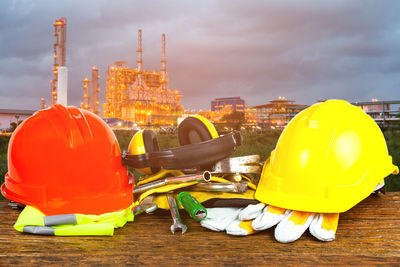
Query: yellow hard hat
x=330, y=156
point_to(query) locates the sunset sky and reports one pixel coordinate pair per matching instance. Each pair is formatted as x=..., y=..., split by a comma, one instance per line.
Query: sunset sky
x=259, y=50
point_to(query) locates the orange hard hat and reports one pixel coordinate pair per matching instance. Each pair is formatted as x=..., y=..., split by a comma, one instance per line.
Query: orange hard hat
x=66, y=160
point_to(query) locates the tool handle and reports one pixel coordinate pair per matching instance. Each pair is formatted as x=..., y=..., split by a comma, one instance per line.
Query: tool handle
x=192, y=206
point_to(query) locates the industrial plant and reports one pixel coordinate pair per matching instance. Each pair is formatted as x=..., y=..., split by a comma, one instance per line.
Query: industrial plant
x=141, y=96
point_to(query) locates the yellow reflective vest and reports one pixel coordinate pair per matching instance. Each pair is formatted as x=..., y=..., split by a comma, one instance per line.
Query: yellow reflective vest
x=33, y=221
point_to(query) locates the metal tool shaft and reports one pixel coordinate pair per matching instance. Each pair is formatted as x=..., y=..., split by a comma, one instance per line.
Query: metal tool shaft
x=222, y=187
x=173, y=207
x=245, y=164
x=205, y=176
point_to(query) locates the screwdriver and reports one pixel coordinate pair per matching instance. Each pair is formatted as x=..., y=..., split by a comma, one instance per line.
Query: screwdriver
x=192, y=206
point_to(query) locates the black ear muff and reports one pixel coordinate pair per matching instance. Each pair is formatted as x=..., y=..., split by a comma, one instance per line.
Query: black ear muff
x=151, y=145
x=192, y=130
x=200, y=147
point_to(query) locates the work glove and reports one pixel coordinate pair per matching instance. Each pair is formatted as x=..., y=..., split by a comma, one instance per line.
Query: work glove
x=218, y=219
x=290, y=225
x=254, y=218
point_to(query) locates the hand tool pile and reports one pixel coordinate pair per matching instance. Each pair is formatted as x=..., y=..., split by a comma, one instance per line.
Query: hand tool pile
x=227, y=181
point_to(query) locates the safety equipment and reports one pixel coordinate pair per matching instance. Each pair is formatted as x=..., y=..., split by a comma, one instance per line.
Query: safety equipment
x=200, y=147
x=33, y=221
x=65, y=160
x=254, y=218
x=208, y=199
x=329, y=157
x=290, y=224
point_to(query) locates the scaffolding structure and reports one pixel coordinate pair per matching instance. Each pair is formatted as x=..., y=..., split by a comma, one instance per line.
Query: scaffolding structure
x=60, y=33
x=141, y=96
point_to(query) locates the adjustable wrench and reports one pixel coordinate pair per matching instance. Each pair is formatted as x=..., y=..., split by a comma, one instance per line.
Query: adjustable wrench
x=173, y=207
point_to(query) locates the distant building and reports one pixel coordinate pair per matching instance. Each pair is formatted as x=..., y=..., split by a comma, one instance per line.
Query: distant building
x=228, y=104
x=277, y=112
x=7, y=116
x=383, y=112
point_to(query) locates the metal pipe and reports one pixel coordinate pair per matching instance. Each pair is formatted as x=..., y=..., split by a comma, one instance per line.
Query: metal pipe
x=62, y=86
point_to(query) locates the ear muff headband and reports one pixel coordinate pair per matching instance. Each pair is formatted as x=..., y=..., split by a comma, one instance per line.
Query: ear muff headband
x=208, y=124
x=188, y=156
x=151, y=145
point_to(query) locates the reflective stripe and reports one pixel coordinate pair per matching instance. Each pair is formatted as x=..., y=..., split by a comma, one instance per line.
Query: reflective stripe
x=38, y=230
x=60, y=219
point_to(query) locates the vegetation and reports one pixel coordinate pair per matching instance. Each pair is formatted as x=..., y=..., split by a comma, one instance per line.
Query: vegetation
x=3, y=158
x=234, y=120
x=253, y=143
x=393, y=143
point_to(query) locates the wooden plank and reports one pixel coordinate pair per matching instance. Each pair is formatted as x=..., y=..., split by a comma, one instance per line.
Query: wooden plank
x=367, y=234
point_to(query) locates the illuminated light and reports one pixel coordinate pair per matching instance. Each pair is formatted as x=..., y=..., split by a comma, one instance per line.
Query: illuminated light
x=374, y=99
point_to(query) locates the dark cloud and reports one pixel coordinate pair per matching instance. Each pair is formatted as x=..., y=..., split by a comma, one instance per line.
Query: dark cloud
x=258, y=50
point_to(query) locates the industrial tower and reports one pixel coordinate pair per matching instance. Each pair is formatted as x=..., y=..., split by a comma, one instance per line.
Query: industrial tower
x=141, y=96
x=60, y=32
x=95, y=91
x=93, y=104
x=86, y=102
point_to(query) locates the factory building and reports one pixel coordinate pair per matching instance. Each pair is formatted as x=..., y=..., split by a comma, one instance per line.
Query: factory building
x=141, y=96
x=383, y=112
x=277, y=112
x=228, y=104
x=8, y=116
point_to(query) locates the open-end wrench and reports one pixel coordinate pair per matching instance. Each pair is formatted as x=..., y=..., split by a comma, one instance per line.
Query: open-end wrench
x=147, y=205
x=173, y=207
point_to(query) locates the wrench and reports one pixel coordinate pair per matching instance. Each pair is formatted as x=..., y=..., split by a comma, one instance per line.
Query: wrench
x=173, y=207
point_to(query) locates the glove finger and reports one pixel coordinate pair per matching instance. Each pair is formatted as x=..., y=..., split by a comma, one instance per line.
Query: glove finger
x=219, y=218
x=324, y=226
x=251, y=212
x=379, y=186
x=240, y=228
x=293, y=226
x=269, y=217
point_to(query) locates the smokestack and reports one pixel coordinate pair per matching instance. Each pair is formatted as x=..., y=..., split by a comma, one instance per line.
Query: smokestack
x=43, y=103
x=163, y=60
x=139, y=50
x=139, y=60
x=86, y=100
x=62, y=85
x=95, y=90
x=60, y=33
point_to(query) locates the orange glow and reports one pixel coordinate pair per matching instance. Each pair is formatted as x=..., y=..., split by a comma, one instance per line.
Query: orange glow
x=134, y=96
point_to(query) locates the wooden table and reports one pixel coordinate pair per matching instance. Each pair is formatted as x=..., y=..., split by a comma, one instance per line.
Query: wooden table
x=367, y=234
